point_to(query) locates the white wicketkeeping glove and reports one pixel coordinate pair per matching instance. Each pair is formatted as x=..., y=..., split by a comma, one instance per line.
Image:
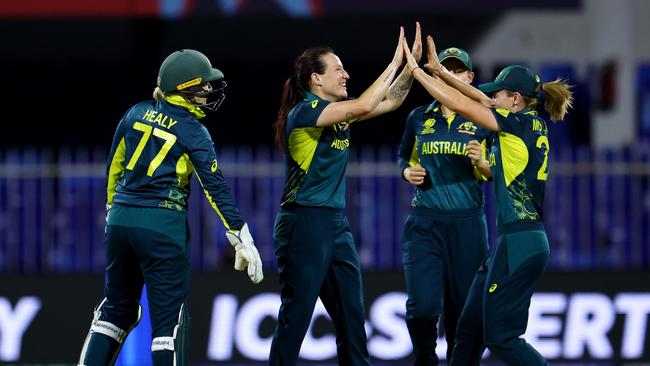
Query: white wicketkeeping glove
x=246, y=255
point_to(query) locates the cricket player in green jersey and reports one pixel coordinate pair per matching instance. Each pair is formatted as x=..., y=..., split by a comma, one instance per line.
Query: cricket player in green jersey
x=157, y=147
x=314, y=244
x=445, y=236
x=496, y=311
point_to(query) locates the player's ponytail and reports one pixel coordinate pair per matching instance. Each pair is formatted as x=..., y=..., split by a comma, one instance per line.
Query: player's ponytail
x=559, y=98
x=296, y=86
x=158, y=94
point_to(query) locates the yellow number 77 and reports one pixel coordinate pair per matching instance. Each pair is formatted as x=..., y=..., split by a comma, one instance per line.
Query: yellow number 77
x=169, y=138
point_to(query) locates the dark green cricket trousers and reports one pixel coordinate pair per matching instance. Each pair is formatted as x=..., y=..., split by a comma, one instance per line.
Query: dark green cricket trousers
x=317, y=258
x=442, y=251
x=496, y=312
x=146, y=246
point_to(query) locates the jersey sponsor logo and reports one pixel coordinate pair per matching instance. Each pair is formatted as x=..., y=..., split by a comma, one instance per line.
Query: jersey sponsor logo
x=314, y=104
x=159, y=119
x=443, y=147
x=428, y=127
x=213, y=168
x=340, y=144
x=492, y=288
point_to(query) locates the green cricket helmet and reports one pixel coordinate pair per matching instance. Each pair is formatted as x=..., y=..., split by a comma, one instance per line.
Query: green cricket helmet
x=190, y=73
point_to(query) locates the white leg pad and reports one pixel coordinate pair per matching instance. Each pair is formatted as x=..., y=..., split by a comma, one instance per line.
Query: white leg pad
x=162, y=344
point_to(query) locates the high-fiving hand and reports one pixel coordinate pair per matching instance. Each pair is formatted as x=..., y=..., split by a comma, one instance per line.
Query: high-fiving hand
x=433, y=64
x=411, y=63
x=398, y=57
x=417, y=43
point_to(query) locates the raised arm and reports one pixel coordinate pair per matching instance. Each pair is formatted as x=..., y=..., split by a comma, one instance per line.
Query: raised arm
x=451, y=97
x=352, y=110
x=400, y=88
x=435, y=67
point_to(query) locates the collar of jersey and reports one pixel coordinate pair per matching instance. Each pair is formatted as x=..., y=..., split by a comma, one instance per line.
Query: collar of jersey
x=529, y=111
x=176, y=99
x=309, y=96
x=433, y=107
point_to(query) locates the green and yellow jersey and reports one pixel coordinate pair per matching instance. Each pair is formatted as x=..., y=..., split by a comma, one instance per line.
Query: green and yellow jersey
x=439, y=145
x=156, y=148
x=519, y=166
x=316, y=157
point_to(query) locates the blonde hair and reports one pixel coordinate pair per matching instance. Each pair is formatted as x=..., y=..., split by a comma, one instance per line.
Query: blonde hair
x=559, y=99
x=158, y=94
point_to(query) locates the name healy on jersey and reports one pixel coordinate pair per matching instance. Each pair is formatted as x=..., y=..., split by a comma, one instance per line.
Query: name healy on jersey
x=444, y=147
x=159, y=118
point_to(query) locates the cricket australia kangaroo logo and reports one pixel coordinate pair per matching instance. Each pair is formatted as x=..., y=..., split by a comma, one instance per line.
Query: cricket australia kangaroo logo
x=468, y=128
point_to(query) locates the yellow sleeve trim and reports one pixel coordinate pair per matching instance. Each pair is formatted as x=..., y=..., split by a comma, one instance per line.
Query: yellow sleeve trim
x=212, y=203
x=116, y=170
x=415, y=159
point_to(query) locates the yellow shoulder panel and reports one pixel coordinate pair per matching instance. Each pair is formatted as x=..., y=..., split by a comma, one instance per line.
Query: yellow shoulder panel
x=514, y=156
x=302, y=145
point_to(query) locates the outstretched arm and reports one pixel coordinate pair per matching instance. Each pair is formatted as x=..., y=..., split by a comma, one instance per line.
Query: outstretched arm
x=400, y=88
x=451, y=97
x=435, y=67
x=352, y=110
